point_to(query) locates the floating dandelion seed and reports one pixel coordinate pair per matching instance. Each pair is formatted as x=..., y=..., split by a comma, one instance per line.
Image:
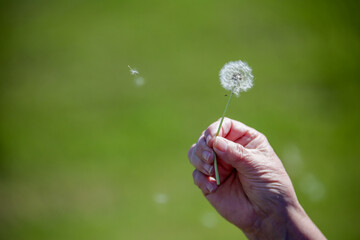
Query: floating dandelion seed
x=139, y=80
x=133, y=71
x=235, y=77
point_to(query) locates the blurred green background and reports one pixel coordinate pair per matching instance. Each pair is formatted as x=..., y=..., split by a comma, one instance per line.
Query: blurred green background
x=86, y=152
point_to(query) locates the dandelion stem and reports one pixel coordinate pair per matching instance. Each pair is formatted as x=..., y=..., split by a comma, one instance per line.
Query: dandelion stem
x=223, y=116
x=217, y=134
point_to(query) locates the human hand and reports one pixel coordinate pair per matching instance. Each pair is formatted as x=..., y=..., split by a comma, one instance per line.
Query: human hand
x=256, y=193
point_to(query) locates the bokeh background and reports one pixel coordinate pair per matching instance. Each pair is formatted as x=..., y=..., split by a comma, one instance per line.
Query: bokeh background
x=89, y=152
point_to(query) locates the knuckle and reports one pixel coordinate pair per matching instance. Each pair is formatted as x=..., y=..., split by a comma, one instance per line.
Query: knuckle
x=213, y=126
x=190, y=160
x=191, y=152
x=195, y=178
x=200, y=147
x=262, y=137
x=194, y=173
x=239, y=150
x=201, y=137
x=201, y=141
x=193, y=161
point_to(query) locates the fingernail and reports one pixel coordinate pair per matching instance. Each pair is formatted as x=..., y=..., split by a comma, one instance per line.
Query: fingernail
x=209, y=169
x=206, y=155
x=208, y=138
x=210, y=187
x=220, y=144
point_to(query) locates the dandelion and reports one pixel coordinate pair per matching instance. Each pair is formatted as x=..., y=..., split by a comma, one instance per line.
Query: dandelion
x=235, y=77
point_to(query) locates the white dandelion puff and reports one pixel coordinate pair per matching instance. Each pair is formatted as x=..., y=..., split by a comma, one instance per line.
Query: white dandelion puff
x=236, y=77
x=133, y=71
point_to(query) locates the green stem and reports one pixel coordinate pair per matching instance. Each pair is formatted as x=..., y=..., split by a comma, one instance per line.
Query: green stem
x=217, y=134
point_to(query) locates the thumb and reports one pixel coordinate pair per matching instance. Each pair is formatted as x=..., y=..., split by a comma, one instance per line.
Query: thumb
x=230, y=152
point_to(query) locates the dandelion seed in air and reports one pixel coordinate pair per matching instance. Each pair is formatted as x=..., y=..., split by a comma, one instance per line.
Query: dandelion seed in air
x=235, y=77
x=138, y=80
x=133, y=71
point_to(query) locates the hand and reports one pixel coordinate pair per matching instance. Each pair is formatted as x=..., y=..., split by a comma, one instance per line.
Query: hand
x=256, y=193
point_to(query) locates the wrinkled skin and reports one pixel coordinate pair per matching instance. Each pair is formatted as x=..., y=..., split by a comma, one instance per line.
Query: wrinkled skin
x=255, y=193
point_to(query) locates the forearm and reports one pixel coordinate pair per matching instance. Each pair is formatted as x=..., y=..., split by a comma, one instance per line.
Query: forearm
x=294, y=224
x=300, y=225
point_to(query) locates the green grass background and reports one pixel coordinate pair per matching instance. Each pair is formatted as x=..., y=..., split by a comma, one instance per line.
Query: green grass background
x=84, y=150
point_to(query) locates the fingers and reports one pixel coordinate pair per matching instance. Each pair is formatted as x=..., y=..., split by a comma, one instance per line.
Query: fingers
x=233, y=130
x=190, y=152
x=203, y=151
x=201, y=166
x=202, y=157
x=205, y=183
x=211, y=131
x=230, y=152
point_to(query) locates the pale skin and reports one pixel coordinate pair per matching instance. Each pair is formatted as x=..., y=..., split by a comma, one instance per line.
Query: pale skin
x=256, y=193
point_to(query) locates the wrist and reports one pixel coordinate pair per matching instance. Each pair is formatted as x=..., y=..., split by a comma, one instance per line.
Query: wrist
x=300, y=225
x=291, y=222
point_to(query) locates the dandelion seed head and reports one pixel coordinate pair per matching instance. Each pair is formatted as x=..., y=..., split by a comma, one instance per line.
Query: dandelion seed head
x=236, y=77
